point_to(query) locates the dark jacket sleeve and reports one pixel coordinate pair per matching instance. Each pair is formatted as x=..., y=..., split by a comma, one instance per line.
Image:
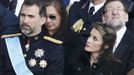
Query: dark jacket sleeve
x=74, y=13
x=1, y=59
x=56, y=62
x=8, y=22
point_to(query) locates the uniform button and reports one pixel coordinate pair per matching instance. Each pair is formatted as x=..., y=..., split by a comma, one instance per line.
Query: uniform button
x=36, y=38
x=94, y=66
x=25, y=55
x=79, y=69
x=84, y=29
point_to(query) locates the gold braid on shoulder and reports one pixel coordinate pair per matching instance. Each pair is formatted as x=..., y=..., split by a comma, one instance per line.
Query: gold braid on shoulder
x=78, y=25
x=11, y=35
x=51, y=39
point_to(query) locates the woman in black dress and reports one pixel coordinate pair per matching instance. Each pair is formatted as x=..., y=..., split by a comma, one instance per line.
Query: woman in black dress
x=96, y=58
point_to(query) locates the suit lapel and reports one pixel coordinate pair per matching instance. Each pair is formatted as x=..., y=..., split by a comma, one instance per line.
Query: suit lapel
x=123, y=46
x=97, y=16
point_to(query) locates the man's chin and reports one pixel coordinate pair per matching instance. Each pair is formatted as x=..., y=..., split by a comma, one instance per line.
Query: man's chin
x=26, y=32
x=114, y=22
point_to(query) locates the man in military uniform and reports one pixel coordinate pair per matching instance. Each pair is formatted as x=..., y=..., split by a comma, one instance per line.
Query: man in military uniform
x=36, y=53
x=83, y=13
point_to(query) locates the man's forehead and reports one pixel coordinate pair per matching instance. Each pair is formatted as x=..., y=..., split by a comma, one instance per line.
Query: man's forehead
x=116, y=4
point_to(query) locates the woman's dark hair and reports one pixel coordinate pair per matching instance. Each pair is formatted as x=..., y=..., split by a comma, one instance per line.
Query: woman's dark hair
x=61, y=9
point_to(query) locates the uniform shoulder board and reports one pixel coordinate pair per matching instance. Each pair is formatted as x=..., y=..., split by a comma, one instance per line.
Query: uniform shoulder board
x=78, y=25
x=51, y=39
x=11, y=35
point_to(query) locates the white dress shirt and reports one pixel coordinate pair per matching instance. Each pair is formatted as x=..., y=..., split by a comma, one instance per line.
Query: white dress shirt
x=119, y=36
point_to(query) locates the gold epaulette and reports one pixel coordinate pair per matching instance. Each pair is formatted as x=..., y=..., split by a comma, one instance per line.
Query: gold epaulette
x=78, y=25
x=11, y=35
x=51, y=39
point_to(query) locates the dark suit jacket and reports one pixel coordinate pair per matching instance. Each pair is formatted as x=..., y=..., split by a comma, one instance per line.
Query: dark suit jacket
x=125, y=51
x=130, y=25
x=4, y=3
x=8, y=22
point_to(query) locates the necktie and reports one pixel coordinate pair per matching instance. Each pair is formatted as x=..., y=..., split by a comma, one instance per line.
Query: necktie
x=91, y=11
x=12, y=5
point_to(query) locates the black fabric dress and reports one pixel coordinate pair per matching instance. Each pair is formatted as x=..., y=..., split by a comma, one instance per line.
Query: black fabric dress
x=103, y=67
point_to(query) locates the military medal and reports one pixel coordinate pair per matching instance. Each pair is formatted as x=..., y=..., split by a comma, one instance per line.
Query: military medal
x=43, y=64
x=32, y=62
x=39, y=53
x=27, y=46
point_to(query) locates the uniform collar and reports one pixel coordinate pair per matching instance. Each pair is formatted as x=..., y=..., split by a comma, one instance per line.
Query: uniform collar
x=34, y=38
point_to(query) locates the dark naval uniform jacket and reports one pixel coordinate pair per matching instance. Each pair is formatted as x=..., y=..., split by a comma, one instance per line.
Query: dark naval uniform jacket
x=5, y=3
x=43, y=56
x=8, y=22
x=79, y=10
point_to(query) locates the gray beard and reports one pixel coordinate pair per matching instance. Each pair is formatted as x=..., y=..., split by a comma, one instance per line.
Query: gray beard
x=117, y=26
x=27, y=33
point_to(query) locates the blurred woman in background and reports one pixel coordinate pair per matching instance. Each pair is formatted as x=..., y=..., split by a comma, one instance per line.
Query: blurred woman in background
x=56, y=26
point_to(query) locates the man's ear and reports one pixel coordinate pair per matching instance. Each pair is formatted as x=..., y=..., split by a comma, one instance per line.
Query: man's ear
x=126, y=17
x=103, y=19
x=43, y=20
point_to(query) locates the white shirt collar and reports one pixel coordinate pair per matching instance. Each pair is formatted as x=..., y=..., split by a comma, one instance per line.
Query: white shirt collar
x=96, y=7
